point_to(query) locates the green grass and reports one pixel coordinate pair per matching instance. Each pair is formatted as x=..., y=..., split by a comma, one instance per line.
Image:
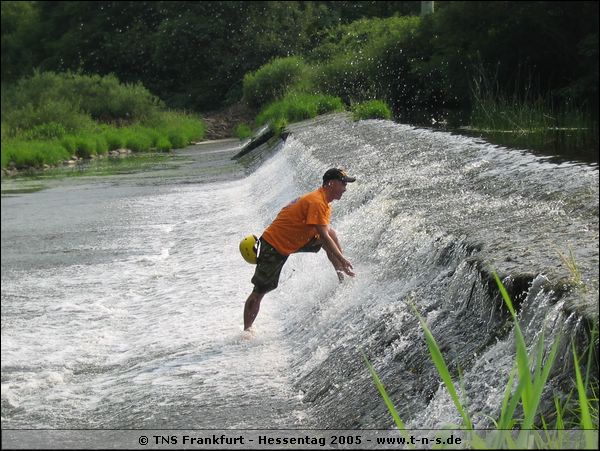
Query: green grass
x=575, y=274
x=22, y=154
x=522, y=395
x=372, y=109
x=297, y=107
x=168, y=130
x=524, y=116
x=51, y=117
x=273, y=80
x=101, y=167
x=243, y=131
x=521, y=112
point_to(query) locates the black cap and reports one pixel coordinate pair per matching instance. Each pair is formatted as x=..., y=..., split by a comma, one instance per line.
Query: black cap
x=337, y=174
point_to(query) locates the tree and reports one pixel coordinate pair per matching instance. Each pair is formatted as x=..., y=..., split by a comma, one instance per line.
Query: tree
x=19, y=22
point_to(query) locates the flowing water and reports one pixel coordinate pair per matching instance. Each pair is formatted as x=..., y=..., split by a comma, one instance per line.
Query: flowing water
x=122, y=296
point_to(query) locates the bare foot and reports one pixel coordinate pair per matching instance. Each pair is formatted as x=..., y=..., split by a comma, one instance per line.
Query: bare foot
x=248, y=334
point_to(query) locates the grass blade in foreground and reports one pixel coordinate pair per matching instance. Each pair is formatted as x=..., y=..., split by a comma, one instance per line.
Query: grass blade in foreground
x=528, y=393
x=442, y=369
x=521, y=349
x=384, y=395
x=388, y=402
x=586, y=419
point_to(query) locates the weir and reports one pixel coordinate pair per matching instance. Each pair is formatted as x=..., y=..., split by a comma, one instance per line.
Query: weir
x=429, y=219
x=122, y=296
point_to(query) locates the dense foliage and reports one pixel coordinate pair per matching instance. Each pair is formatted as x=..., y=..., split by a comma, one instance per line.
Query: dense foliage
x=196, y=55
x=372, y=109
x=273, y=80
x=49, y=118
x=74, y=102
x=295, y=107
x=191, y=54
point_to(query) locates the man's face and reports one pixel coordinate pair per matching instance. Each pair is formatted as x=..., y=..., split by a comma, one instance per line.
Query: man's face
x=337, y=188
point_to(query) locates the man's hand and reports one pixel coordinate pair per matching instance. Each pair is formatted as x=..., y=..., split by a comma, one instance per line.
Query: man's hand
x=347, y=268
x=344, y=266
x=334, y=251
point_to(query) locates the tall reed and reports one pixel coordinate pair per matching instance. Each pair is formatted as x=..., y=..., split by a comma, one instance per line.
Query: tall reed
x=526, y=395
x=522, y=111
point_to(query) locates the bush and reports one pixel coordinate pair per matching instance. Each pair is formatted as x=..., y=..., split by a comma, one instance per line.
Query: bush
x=373, y=109
x=21, y=119
x=346, y=76
x=272, y=80
x=85, y=146
x=25, y=154
x=366, y=59
x=50, y=130
x=163, y=144
x=297, y=107
x=74, y=101
x=107, y=100
x=243, y=131
x=114, y=139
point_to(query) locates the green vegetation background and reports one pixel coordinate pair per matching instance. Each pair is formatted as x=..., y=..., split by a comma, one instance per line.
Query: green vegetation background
x=490, y=64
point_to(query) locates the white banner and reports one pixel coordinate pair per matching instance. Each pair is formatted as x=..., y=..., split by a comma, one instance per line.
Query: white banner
x=297, y=439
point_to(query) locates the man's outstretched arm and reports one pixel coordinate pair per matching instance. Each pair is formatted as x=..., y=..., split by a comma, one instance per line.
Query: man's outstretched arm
x=334, y=252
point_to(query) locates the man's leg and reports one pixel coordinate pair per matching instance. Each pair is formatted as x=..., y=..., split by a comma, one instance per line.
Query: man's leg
x=251, y=308
x=265, y=279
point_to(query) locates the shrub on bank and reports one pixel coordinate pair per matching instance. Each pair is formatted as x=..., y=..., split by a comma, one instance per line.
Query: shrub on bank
x=74, y=101
x=166, y=131
x=365, y=59
x=44, y=119
x=26, y=154
x=243, y=131
x=49, y=117
x=272, y=80
x=373, y=109
x=298, y=107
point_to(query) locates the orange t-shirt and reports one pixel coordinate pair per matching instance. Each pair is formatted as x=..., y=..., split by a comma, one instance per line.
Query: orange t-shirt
x=294, y=226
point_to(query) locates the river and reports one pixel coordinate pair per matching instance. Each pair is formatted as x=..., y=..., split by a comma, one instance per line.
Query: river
x=122, y=296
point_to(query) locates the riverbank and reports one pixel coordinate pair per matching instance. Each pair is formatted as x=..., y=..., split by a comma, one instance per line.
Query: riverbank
x=218, y=125
x=206, y=161
x=221, y=124
x=560, y=145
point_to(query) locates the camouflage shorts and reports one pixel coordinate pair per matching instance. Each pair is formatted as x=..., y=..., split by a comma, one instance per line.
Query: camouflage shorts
x=270, y=262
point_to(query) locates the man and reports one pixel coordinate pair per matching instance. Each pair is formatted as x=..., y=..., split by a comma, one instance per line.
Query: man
x=301, y=226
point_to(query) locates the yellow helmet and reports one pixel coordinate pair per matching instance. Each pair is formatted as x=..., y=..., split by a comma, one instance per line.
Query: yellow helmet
x=249, y=248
